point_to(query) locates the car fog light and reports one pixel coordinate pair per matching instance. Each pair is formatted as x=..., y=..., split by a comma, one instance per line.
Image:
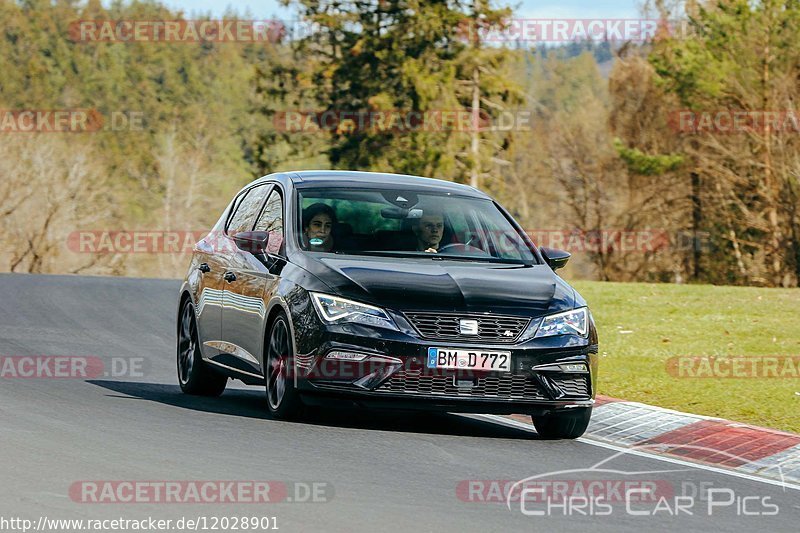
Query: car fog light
x=346, y=356
x=580, y=367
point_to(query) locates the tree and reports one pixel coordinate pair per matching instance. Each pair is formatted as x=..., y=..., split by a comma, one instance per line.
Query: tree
x=50, y=189
x=742, y=56
x=407, y=58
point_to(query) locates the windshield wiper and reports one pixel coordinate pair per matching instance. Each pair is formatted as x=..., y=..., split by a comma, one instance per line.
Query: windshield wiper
x=391, y=253
x=469, y=259
x=437, y=257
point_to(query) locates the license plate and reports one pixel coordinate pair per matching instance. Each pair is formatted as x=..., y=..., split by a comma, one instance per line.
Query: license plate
x=469, y=359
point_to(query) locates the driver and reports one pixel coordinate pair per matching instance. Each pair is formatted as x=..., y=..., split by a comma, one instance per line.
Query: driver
x=318, y=222
x=429, y=229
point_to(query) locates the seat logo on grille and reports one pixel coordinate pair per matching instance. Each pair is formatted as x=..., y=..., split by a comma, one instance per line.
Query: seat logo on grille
x=468, y=327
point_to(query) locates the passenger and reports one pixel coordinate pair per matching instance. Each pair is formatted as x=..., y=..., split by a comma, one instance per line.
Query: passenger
x=318, y=222
x=429, y=229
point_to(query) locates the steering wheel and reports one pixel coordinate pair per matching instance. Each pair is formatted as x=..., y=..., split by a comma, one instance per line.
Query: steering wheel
x=462, y=248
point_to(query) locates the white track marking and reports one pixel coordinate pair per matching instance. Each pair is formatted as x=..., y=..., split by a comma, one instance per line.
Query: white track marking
x=519, y=425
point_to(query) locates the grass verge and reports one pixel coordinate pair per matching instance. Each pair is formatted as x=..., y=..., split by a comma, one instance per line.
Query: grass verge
x=643, y=327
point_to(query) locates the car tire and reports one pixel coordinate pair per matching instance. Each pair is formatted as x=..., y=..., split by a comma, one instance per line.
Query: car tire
x=194, y=375
x=569, y=424
x=283, y=400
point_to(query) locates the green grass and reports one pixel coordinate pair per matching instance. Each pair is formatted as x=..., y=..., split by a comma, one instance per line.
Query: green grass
x=642, y=325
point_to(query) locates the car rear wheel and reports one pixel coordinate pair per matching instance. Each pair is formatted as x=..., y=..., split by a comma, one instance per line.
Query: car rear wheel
x=569, y=424
x=283, y=399
x=194, y=376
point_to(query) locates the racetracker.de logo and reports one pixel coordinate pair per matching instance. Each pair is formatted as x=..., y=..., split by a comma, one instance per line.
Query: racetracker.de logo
x=200, y=491
x=734, y=367
x=734, y=121
x=50, y=120
x=178, y=31
x=516, y=30
x=562, y=490
x=69, y=367
x=69, y=121
x=135, y=241
x=156, y=241
x=346, y=121
x=605, y=240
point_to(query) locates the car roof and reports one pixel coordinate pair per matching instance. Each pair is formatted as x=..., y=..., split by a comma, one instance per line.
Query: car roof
x=356, y=179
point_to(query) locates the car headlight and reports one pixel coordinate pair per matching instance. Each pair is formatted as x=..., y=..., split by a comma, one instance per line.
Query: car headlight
x=336, y=310
x=575, y=322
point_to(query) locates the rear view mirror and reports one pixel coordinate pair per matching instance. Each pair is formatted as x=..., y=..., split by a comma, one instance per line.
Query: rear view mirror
x=399, y=213
x=254, y=242
x=555, y=258
x=394, y=213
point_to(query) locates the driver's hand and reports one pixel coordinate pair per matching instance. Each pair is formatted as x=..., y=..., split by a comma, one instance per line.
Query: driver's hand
x=432, y=250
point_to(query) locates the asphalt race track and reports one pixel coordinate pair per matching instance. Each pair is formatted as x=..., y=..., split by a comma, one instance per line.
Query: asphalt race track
x=383, y=472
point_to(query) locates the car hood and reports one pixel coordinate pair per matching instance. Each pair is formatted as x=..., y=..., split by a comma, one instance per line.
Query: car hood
x=408, y=284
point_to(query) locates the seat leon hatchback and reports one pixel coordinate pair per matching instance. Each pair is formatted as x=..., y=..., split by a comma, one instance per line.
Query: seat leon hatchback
x=385, y=291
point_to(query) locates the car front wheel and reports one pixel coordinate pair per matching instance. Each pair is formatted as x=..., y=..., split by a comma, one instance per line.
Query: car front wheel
x=194, y=376
x=569, y=424
x=282, y=398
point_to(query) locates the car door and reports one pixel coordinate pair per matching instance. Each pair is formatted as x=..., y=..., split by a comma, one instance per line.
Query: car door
x=210, y=262
x=251, y=280
x=242, y=218
x=209, y=266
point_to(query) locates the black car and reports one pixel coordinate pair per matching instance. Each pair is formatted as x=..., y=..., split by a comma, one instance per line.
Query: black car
x=384, y=290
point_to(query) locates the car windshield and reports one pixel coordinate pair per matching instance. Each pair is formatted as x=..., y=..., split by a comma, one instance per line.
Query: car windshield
x=408, y=223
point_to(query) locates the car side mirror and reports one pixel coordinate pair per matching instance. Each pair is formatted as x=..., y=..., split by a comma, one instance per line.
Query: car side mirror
x=555, y=258
x=254, y=242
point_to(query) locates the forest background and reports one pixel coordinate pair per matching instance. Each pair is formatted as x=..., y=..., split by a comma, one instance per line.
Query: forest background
x=586, y=142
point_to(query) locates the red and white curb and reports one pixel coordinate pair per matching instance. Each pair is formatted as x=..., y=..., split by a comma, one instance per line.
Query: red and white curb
x=743, y=448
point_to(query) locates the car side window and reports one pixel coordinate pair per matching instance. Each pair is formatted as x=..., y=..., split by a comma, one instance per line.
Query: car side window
x=246, y=210
x=271, y=220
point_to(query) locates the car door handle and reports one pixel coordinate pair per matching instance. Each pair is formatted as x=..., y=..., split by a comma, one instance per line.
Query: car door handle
x=204, y=267
x=230, y=277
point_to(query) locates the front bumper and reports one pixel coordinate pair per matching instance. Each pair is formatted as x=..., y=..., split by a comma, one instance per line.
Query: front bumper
x=394, y=374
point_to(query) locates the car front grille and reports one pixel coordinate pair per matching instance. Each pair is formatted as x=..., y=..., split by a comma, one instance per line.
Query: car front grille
x=509, y=386
x=497, y=329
